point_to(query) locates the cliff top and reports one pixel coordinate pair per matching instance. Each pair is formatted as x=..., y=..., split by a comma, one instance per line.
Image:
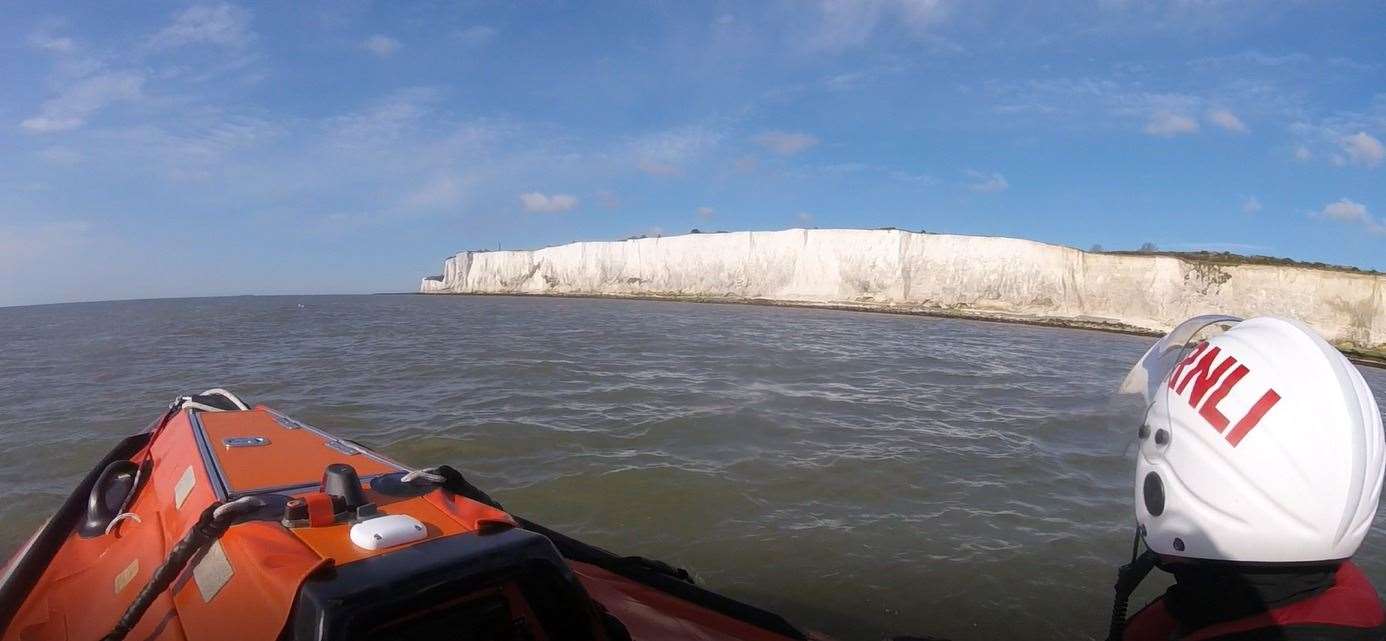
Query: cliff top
x=1228, y=258
x=1208, y=257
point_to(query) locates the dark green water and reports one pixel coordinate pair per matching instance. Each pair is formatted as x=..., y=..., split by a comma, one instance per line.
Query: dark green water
x=863, y=474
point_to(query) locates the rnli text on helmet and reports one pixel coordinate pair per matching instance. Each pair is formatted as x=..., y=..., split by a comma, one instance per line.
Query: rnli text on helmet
x=1203, y=375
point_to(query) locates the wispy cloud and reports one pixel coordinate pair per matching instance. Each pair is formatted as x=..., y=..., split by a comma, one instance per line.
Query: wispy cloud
x=540, y=203
x=1348, y=211
x=1227, y=120
x=705, y=214
x=1251, y=205
x=657, y=168
x=224, y=25
x=52, y=44
x=61, y=156
x=76, y=103
x=21, y=243
x=846, y=24
x=1168, y=125
x=987, y=183
x=438, y=193
x=381, y=45
x=475, y=36
x=666, y=153
x=385, y=121
x=786, y=143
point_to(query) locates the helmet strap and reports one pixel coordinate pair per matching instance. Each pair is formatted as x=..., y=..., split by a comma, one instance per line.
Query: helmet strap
x=1129, y=576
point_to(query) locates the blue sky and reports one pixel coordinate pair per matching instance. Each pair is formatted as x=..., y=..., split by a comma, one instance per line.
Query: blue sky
x=165, y=149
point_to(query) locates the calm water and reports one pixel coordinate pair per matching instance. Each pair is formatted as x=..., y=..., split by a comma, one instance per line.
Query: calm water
x=862, y=474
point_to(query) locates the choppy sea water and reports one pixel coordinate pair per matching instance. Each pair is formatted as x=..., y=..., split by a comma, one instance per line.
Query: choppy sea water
x=863, y=474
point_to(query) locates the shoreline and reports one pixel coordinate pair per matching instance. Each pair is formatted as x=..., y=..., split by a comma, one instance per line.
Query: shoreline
x=1356, y=356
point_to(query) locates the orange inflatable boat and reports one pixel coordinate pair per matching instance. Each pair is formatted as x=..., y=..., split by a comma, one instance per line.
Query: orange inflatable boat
x=225, y=522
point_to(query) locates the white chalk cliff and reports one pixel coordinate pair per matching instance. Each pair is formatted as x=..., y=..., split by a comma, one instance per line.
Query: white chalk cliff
x=904, y=271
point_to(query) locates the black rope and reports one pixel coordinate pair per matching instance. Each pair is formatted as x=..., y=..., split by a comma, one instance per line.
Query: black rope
x=210, y=525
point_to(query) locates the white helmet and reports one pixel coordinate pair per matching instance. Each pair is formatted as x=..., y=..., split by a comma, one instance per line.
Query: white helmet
x=1261, y=443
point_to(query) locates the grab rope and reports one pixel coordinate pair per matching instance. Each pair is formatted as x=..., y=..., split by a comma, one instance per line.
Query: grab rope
x=429, y=475
x=235, y=400
x=192, y=402
x=110, y=527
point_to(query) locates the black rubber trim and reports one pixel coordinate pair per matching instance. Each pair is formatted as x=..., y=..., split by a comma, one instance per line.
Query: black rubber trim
x=632, y=568
x=342, y=603
x=656, y=574
x=29, y=569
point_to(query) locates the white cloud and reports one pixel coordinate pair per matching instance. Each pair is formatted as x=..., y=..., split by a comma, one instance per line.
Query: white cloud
x=1302, y=153
x=381, y=45
x=705, y=214
x=71, y=108
x=987, y=183
x=1169, y=124
x=1347, y=211
x=475, y=36
x=804, y=218
x=1227, y=120
x=540, y=203
x=785, y=143
x=1251, y=205
x=222, y=24
x=1363, y=149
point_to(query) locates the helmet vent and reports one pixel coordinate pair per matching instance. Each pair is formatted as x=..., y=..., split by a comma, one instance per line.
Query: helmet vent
x=1161, y=437
x=1179, y=545
x=1154, y=492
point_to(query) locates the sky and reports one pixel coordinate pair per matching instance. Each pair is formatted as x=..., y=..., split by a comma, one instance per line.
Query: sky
x=159, y=149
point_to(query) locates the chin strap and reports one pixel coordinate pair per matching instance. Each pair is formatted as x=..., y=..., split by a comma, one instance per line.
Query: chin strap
x=1128, y=577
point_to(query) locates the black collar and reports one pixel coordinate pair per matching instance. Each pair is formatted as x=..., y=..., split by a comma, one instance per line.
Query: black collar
x=1208, y=593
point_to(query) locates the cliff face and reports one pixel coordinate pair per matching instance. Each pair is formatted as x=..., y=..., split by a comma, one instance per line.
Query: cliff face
x=932, y=273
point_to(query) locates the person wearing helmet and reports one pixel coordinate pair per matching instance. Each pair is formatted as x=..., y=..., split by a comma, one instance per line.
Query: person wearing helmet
x=1258, y=474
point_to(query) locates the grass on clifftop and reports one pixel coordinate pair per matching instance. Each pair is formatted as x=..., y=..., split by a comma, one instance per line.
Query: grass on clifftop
x=1228, y=258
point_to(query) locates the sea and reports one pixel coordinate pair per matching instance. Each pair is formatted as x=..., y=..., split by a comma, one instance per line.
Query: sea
x=865, y=475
